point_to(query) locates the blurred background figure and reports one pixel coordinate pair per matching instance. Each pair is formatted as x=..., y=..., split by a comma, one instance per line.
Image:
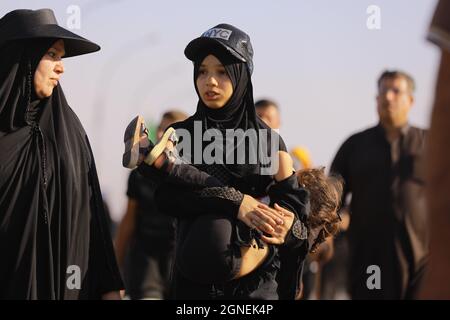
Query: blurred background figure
x=383, y=171
x=269, y=112
x=145, y=238
x=437, y=283
x=301, y=157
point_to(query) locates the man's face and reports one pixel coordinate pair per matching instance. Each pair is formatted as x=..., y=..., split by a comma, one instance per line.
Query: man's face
x=271, y=116
x=49, y=70
x=394, y=101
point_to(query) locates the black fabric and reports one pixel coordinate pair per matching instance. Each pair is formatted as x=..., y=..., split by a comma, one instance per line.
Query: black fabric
x=51, y=208
x=152, y=248
x=153, y=228
x=148, y=275
x=189, y=176
x=260, y=284
x=208, y=253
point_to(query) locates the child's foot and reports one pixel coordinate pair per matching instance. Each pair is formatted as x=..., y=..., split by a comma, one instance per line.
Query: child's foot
x=158, y=151
x=137, y=144
x=139, y=148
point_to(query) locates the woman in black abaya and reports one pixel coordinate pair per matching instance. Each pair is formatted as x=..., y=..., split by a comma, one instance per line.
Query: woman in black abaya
x=54, y=240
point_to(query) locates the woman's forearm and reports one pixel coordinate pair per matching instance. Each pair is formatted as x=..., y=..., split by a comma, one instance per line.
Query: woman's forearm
x=181, y=202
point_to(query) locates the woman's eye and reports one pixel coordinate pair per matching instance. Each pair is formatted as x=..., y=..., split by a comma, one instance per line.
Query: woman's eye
x=51, y=54
x=202, y=72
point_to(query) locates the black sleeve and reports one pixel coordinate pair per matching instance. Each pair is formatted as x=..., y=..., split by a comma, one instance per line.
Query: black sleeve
x=181, y=202
x=132, y=188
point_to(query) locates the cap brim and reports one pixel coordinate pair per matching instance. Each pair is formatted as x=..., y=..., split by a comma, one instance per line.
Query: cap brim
x=198, y=46
x=74, y=44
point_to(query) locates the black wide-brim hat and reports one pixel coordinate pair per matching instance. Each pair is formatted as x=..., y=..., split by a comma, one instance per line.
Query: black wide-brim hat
x=26, y=24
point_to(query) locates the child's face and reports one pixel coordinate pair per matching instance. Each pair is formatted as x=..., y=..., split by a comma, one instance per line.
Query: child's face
x=213, y=83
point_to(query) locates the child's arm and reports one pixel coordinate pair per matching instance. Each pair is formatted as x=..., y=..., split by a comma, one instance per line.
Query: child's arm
x=286, y=191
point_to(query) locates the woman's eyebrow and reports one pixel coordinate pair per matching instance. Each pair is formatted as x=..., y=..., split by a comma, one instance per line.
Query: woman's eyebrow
x=60, y=51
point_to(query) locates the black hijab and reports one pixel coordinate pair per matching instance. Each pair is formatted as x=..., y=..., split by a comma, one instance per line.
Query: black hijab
x=52, y=220
x=238, y=113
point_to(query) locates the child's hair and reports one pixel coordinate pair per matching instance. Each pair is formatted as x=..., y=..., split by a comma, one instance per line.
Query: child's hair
x=325, y=197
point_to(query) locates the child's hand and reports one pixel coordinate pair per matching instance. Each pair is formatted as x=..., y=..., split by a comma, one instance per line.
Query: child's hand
x=250, y=214
x=279, y=233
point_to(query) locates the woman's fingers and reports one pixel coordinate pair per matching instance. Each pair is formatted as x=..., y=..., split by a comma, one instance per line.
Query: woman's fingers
x=283, y=211
x=262, y=225
x=268, y=218
x=272, y=213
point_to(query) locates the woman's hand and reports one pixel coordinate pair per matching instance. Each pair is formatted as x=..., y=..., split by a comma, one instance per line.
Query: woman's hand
x=249, y=213
x=280, y=231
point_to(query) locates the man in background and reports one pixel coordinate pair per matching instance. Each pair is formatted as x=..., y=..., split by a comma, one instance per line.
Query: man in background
x=382, y=168
x=146, y=236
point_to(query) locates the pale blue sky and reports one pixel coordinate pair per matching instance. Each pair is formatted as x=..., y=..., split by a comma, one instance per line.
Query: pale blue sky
x=317, y=59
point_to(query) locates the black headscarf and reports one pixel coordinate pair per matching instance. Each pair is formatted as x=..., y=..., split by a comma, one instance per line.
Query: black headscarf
x=238, y=113
x=52, y=220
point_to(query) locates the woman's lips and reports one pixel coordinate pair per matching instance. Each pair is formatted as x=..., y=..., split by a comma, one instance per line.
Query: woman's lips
x=210, y=95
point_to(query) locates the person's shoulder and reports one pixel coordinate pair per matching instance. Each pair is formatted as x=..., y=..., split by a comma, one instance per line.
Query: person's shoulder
x=361, y=136
x=75, y=120
x=273, y=133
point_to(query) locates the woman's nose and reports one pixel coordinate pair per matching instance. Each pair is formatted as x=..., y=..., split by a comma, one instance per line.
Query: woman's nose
x=211, y=81
x=59, y=68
